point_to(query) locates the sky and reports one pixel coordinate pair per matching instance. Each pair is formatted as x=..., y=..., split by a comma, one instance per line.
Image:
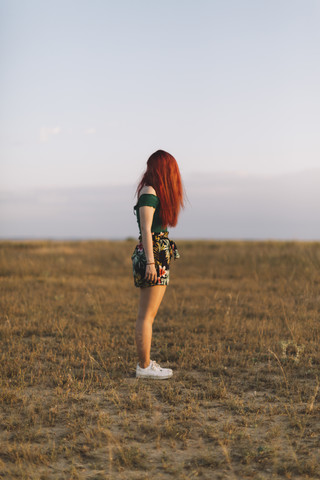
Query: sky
x=89, y=89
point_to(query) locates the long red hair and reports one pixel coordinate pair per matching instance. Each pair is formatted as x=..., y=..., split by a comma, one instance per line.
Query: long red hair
x=163, y=175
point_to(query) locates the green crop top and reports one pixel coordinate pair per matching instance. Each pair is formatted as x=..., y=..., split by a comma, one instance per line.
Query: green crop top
x=150, y=200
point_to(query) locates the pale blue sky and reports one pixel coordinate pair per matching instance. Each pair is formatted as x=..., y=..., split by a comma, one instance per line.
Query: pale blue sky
x=89, y=89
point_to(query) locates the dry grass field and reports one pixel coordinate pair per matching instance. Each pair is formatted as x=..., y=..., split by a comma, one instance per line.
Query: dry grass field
x=239, y=325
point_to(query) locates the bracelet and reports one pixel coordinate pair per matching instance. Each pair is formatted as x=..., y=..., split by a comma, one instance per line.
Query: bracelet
x=153, y=263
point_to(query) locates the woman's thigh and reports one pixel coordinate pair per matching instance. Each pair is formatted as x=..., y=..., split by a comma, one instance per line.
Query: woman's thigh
x=150, y=300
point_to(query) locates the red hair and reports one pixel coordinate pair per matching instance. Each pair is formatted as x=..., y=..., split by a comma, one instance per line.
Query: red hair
x=163, y=175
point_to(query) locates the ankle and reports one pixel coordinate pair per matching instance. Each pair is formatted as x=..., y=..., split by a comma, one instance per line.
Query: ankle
x=144, y=364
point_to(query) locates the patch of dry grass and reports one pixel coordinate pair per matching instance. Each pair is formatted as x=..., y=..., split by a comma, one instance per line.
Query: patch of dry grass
x=239, y=325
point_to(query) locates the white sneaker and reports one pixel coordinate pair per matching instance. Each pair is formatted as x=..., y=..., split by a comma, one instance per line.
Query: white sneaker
x=154, y=371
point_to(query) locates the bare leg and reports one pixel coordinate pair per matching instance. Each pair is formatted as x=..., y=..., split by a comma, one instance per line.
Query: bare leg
x=150, y=299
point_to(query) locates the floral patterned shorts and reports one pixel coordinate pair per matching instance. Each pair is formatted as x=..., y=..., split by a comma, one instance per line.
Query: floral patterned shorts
x=163, y=250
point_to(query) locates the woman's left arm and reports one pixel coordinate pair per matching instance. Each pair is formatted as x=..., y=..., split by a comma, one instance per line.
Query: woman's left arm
x=146, y=216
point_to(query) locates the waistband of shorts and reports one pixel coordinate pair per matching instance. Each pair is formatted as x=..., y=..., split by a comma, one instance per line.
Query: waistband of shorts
x=157, y=235
x=170, y=243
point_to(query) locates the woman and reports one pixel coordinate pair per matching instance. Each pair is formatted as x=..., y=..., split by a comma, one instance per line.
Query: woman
x=160, y=196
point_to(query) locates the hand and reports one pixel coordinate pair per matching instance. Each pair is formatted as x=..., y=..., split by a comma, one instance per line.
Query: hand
x=151, y=273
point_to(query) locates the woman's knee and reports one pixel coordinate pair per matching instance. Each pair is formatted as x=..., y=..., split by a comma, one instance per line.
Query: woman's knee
x=146, y=317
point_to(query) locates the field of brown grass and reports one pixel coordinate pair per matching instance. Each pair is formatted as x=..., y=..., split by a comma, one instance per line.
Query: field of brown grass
x=239, y=325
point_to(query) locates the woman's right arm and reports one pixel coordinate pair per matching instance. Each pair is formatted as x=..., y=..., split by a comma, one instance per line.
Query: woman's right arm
x=146, y=217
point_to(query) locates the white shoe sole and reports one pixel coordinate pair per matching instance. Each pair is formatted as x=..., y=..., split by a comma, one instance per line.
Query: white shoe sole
x=155, y=377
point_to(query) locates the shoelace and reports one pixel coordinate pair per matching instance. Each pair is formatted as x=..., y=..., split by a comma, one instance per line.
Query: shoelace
x=154, y=365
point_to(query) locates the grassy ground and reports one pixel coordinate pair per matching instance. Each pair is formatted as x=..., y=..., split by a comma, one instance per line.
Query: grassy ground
x=239, y=325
